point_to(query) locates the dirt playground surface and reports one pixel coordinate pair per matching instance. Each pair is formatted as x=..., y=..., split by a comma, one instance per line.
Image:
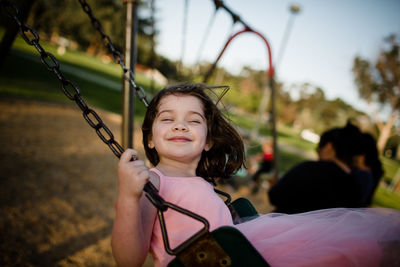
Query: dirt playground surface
x=58, y=186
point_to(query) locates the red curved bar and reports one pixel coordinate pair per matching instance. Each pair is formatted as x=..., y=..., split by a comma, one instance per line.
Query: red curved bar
x=271, y=71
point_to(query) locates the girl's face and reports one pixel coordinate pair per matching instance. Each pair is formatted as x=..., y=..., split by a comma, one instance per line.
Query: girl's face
x=179, y=131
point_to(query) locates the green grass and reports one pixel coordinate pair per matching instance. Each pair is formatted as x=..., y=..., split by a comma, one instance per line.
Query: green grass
x=90, y=64
x=286, y=160
x=20, y=77
x=391, y=167
x=292, y=137
x=385, y=198
x=285, y=135
x=28, y=79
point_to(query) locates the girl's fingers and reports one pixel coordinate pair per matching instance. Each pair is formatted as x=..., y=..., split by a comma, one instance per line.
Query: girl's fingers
x=144, y=174
x=128, y=155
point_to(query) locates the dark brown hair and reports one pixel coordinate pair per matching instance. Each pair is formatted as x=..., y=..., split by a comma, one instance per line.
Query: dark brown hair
x=345, y=140
x=226, y=155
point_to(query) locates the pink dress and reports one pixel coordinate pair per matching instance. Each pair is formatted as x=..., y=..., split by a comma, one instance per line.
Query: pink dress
x=332, y=237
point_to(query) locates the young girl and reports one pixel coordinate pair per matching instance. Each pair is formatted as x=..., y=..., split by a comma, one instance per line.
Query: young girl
x=190, y=144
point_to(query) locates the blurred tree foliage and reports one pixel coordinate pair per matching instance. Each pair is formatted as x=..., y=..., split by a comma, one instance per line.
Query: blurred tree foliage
x=380, y=83
x=310, y=110
x=66, y=19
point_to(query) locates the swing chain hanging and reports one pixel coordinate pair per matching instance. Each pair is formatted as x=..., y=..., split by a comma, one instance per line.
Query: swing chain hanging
x=69, y=88
x=116, y=55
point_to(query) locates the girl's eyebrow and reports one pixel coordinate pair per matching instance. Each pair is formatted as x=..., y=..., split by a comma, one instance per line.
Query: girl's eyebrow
x=171, y=111
x=198, y=113
x=163, y=111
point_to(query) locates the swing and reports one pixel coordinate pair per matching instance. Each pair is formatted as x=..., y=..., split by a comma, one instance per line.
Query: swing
x=225, y=246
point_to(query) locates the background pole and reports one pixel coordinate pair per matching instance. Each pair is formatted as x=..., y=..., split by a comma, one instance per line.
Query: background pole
x=294, y=9
x=128, y=95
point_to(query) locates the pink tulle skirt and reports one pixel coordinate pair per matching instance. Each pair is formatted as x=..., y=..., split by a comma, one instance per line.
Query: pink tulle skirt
x=331, y=237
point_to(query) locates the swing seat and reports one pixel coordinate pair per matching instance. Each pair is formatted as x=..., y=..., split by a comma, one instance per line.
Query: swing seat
x=225, y=246
x=237, y=251
x=244, y=208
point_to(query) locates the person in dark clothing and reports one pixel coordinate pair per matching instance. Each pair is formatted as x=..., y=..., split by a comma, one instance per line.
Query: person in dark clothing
x=326, y=183
x=368, y=168
x=364, y=180
x=314, y=185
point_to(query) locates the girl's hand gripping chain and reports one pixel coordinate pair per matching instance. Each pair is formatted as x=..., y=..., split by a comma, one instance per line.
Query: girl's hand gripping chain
x=135, y=215
x=132, y=175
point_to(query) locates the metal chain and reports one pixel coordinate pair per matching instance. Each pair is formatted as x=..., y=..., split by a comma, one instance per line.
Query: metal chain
x=69, y=88
x=116, y=55
x=73, y=93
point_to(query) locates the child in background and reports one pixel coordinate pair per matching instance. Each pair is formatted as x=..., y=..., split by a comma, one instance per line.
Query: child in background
x=327, y=182
x=266, y=160
x=190, y=144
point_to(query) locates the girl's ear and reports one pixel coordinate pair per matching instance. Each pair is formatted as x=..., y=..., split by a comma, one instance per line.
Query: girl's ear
x=150, y=143
x=208, y=146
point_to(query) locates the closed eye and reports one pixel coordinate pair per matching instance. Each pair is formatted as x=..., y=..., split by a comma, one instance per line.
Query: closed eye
x=195, y=118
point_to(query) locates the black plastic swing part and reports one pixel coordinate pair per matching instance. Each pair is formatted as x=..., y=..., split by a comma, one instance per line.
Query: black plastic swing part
x=225, y=246
x=244, y=208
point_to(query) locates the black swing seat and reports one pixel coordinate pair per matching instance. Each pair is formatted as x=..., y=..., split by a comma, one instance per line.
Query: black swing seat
x=225, y=246
x=244, y=208
x=236, y=251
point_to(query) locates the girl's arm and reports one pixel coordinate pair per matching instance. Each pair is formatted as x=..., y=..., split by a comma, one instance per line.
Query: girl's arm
x=135, y=215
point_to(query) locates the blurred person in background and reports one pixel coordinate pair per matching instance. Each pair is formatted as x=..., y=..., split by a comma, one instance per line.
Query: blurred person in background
x=266, y=159
x=326, y=183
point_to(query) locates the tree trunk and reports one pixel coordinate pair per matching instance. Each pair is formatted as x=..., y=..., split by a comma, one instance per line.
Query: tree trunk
x=12, y=30
x=385, y=133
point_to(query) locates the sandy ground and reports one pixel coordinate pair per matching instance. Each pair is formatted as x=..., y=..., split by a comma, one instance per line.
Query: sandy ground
x=58, y=186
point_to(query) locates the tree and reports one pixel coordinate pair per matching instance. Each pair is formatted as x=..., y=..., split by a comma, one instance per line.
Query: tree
x=381, y=84
x=67, y=19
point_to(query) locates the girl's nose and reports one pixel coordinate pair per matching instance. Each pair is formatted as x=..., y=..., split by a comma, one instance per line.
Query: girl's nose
x=179, y=126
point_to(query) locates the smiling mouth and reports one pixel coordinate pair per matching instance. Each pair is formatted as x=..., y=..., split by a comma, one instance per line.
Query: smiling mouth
x=179, y=139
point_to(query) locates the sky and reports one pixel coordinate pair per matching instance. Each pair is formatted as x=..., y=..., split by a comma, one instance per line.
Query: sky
x=324, y=37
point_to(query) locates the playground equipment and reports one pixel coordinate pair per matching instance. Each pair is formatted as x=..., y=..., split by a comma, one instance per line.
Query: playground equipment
x=219, y=4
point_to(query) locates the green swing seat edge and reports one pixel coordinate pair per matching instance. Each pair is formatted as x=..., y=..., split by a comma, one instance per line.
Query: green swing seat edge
x=233, y=242
x=244, y=208
x=236, y=245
